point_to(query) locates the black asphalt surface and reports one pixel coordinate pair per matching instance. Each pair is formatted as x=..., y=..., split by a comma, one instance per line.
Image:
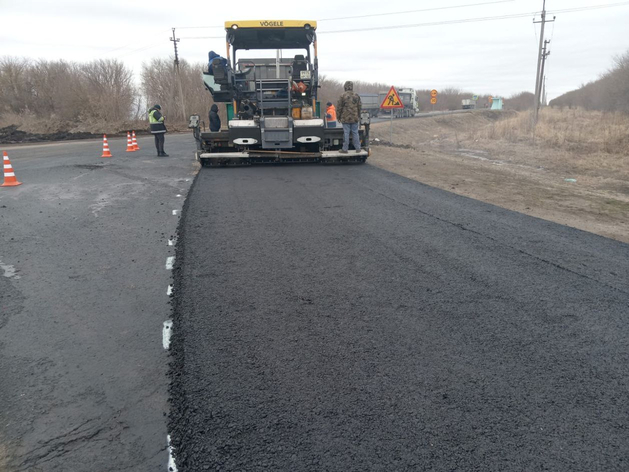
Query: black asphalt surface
x=348, y=319
x=83, y=283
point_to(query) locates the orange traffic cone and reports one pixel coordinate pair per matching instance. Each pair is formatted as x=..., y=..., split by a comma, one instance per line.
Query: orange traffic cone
x=130, y=147
x=106, y=152
x=134, y=142
x=9, y=175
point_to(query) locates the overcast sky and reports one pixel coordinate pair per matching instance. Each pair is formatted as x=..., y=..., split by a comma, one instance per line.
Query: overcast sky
x=497, y=56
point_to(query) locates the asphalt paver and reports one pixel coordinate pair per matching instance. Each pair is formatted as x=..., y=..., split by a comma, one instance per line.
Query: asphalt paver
x=345, y=318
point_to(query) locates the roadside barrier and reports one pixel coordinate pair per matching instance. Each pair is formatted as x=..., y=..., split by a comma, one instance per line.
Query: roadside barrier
x=134, y=141
x=9, y=175
x=106, y=152
x=130, y=147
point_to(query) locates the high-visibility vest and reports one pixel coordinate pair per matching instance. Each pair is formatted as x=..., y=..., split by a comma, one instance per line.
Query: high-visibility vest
x=152, y=119
x=157, y=126
x=332, y=112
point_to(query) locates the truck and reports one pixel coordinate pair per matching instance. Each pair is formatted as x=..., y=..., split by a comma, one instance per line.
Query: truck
x=370, y=103
x=273, y=115
x=409, y=100
x=468, y=104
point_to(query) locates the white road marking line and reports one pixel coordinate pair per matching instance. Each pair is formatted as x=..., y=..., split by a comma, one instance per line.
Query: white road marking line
x=175, y=212
x=169, y=291
x=9, y=270
x=171, y=460
x=170, y=262
x=178, y=195
x=167, y=330
x=171, y=242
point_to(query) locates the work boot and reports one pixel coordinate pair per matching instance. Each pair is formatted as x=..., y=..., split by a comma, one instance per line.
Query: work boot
x=343, y=151
x=164, y=154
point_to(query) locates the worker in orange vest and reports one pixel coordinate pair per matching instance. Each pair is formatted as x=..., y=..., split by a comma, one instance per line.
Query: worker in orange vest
x=330, y=114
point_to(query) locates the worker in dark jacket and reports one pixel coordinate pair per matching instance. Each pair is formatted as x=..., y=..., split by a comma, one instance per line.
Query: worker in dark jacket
x=158, y=129
x=215, y=120
x=348, y=112
x=211, y=56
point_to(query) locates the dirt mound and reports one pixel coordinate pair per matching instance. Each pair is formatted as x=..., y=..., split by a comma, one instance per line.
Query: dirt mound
x=12, y=135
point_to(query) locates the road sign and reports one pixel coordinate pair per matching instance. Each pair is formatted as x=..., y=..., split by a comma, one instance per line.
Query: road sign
x=433, y=100
x=433, y=93
x=392, y=100
x=475, y=98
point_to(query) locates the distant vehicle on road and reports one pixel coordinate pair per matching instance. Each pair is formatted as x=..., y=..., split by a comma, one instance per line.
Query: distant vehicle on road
x=468, y=104
x=371, y=103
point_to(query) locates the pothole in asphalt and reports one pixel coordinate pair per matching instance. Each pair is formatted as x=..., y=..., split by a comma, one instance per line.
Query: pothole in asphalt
x=90, y=166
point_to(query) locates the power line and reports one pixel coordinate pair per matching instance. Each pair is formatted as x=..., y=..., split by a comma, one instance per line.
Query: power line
x=415, y=11
x=130, y=44
x=417, y=25
x=144, y=48
x=433, y=23
x=404, y=12
x=437, y=23
x=590, y=7
x=473, y=20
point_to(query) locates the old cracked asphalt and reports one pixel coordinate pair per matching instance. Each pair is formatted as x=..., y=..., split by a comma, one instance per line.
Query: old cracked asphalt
x=348, y=319
x=83, y=385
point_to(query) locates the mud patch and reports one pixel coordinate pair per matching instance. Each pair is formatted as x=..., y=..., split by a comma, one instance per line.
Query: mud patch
x=89, y=166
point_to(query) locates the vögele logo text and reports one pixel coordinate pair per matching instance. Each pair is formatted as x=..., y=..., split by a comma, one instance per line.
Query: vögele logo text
x=271, y=23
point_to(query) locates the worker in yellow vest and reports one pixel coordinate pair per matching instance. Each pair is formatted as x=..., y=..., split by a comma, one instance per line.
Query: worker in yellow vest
x=158, y=129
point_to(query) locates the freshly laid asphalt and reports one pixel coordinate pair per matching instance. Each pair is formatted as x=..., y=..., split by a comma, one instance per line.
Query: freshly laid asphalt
x=348, y=319
x=83, y=297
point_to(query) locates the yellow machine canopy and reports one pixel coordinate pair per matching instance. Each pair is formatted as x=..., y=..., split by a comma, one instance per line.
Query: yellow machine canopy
x=271, y=34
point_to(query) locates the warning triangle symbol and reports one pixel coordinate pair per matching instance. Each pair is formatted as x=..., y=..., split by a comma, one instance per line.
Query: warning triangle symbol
x=392, y=100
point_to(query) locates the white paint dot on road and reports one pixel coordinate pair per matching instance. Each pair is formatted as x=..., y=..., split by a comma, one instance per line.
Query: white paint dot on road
x=167, y=331
x=9, y=271
x=170, y=262
x=178, y=195
x=171, y=460
x=175, y=212
x=169, y=291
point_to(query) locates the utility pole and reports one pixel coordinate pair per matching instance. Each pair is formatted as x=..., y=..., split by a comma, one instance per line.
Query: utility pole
x=542, y=85
x=183, y=103
x=544, y=100
x=538, y=76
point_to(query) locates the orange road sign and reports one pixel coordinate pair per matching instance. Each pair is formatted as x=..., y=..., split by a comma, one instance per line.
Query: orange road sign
x=433, y=100
x=433, y=93
x=392, y=100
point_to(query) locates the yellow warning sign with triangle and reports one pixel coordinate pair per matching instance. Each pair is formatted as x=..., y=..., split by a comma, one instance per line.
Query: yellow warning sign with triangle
x=392, y=100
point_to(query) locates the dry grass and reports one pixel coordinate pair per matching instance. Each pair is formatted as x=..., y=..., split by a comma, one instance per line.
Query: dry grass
x=576, y=131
